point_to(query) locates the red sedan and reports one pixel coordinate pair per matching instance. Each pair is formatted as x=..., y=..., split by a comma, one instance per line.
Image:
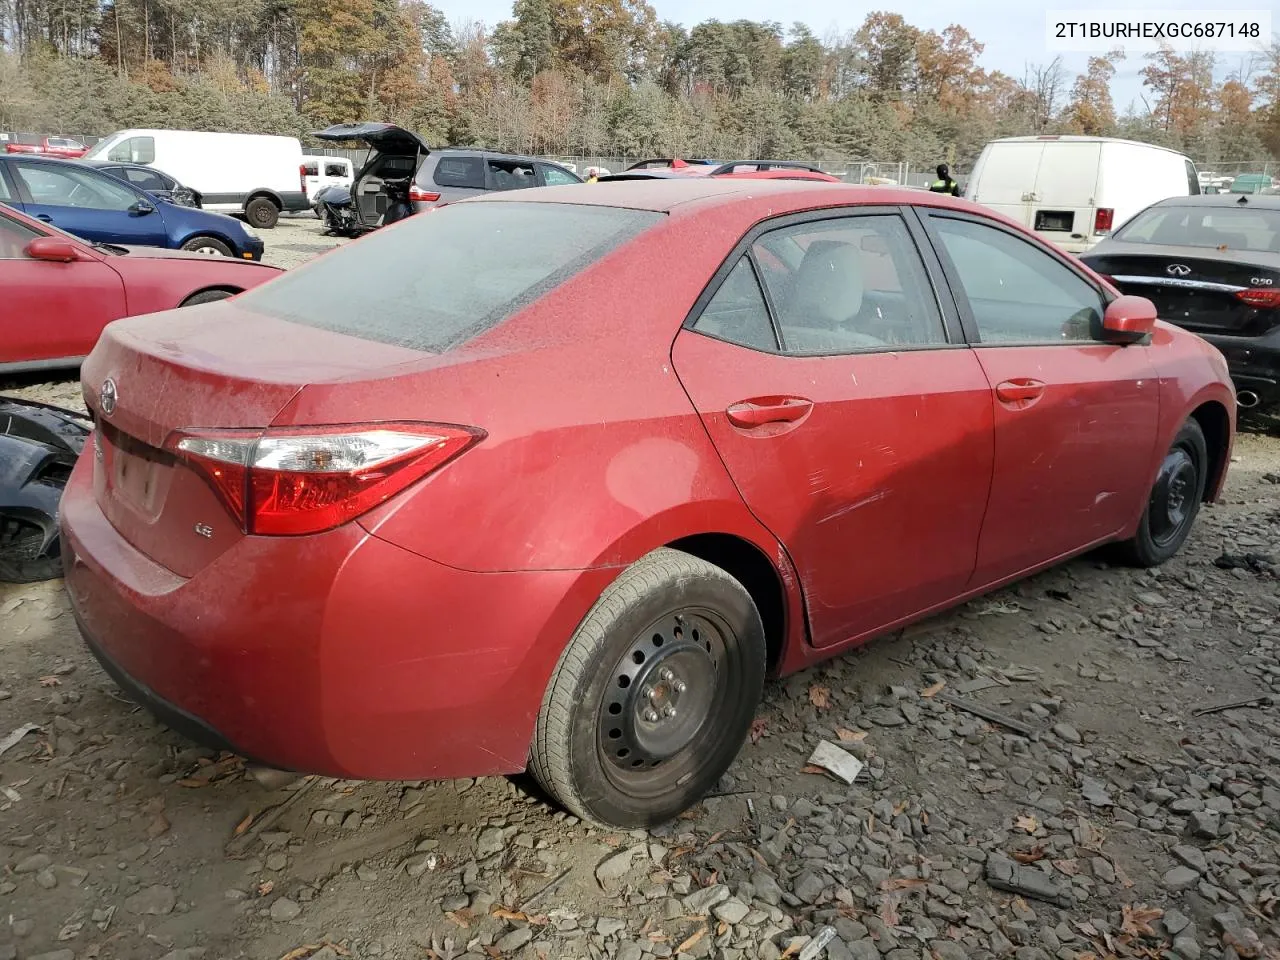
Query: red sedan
x=561, y=500
x=76, y=289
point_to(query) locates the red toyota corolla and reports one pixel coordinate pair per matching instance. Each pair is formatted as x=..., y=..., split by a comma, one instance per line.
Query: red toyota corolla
x=57, y=292
x=550, y=479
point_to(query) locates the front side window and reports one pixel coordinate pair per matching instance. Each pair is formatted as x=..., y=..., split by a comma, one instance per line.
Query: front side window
x=134, y=150
x=848, y=284
x=145, y=179
x=555, y=177
x=511, y=175
x=1017, y=292
x=14, y=238
x=68, y=187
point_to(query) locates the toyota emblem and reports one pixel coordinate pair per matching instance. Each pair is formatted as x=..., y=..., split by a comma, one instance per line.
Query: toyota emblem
x=108, y=397
x=1177, y=270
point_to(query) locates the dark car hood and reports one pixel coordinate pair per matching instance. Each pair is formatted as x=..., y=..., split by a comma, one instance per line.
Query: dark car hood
x=386, y=137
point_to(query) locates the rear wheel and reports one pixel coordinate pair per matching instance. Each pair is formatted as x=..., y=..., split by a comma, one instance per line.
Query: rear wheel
x=206, y=296
x=262, y=212
x=209, y=246
x=1174, y=501
x=654, y=694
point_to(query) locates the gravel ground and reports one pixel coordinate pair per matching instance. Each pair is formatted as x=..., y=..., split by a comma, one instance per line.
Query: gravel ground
x=1093, y=814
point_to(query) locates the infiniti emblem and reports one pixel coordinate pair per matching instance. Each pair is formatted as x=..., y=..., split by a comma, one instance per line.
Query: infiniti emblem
x=1177, y=270
x=108, y=397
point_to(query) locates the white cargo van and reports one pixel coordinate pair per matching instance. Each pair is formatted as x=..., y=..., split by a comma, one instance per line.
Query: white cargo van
x=324, y=172
x=250, y=174
x=1074, y=191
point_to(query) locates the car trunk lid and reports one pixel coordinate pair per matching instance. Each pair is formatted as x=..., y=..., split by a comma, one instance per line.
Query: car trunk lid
x=1207, y=292
x=153, y=376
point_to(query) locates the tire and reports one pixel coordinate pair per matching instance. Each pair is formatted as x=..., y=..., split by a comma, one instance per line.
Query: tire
x=261, y=212
x=1174, y=501
x=206, y=296
x=612, y=755
x=209, y=246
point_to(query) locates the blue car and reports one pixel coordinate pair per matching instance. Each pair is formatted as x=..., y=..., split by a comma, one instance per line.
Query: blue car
x=102, y=209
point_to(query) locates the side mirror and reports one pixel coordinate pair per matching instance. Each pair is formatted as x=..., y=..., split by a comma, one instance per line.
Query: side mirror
x=52, y=249
x=1128, y=320
x=142, y=208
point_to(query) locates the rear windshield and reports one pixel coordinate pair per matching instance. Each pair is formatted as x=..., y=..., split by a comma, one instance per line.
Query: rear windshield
x=440, y=278
x=1234, y=228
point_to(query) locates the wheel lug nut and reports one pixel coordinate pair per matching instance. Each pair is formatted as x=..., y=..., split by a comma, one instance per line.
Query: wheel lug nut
x=651, y=716
x=649, y=693
x=679, y=686
x=667, y=674
x=668, y=711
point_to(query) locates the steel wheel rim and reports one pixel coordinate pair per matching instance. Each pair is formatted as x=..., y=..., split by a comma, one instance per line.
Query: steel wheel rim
x=1173, y=496
x=653, y=717
x=209, y=251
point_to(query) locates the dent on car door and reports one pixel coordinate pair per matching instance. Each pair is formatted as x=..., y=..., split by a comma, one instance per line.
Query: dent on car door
x=854, y=422
x=1075, y=418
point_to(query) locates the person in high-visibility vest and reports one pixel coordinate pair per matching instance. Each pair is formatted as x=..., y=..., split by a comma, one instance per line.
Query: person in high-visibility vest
x=944, y=183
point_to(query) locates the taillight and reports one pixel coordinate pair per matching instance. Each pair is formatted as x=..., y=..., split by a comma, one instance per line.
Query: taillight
x=1103, y=219
x=291, y=481
x=1259, y=298
x=418, y=195
x=302, y=177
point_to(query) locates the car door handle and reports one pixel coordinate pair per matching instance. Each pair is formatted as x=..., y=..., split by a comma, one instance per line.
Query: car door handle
x=764, y=410
x=45, y=217
x=1020, y=389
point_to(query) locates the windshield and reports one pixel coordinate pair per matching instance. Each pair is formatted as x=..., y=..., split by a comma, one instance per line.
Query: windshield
x=1232, y=228
x=99, y=150
x=440, y=278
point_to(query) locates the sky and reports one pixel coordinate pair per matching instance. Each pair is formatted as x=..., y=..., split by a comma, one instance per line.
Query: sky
x=1013, y=31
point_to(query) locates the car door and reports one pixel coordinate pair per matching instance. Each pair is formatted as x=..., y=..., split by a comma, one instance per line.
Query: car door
x=502, y=173
x=851, y=416
x=1075, y=418
x=52, y=311
x=89, y=204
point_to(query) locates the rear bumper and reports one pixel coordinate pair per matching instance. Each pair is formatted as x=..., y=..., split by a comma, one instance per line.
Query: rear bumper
x=337, y=654
x=1254, y=363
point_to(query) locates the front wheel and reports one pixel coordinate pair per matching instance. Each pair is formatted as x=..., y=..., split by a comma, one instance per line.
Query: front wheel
x=1174, y=501
x=209, y=246
x=654, y=694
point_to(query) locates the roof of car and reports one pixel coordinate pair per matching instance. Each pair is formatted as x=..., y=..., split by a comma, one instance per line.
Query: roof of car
x=498, y=154
x=1267, y=201
x=663, y=194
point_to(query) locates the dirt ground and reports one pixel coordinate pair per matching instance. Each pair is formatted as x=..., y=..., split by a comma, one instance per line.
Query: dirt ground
x=1094, y=814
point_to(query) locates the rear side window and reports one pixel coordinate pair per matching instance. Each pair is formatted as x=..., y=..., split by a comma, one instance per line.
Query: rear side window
x=335, y=170
x=311, y=169
x=737, y=312
x=488, y=260
x=511, y=175
x=1193, y=179
x=460, y=172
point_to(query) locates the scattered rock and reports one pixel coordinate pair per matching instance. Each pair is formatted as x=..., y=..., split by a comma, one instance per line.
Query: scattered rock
x=153, y=901
x=284, y=910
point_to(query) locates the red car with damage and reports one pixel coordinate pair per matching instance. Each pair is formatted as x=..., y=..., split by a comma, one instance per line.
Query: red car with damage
x=76, y=288
x=64, y=148
x=560, y=501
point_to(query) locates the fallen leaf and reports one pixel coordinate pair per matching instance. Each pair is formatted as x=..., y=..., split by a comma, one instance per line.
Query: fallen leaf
x=265, y=887
x=461, y=917
x=502, y=913
x=493, y=951
x=306, y=950
x=846, y=735
x=889, y=912
x=820, y=696
x=1070, y=868
x=903, y=883
x=791, y=951
x=1136, y=920
x=757, y=728
x=933, y=690
x=714, y=837
x=243, y=825
x=702, y=932
x=1029, y=824
x=1122, y=877
x=813, y=768
x=1029, y=856
x=50, y=681
x=1088, y=929
x=900, y=809
x=158, y=827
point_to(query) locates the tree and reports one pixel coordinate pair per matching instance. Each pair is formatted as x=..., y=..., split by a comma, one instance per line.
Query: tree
x=887, y=44
x=1044, y=84
x=1091, y=110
